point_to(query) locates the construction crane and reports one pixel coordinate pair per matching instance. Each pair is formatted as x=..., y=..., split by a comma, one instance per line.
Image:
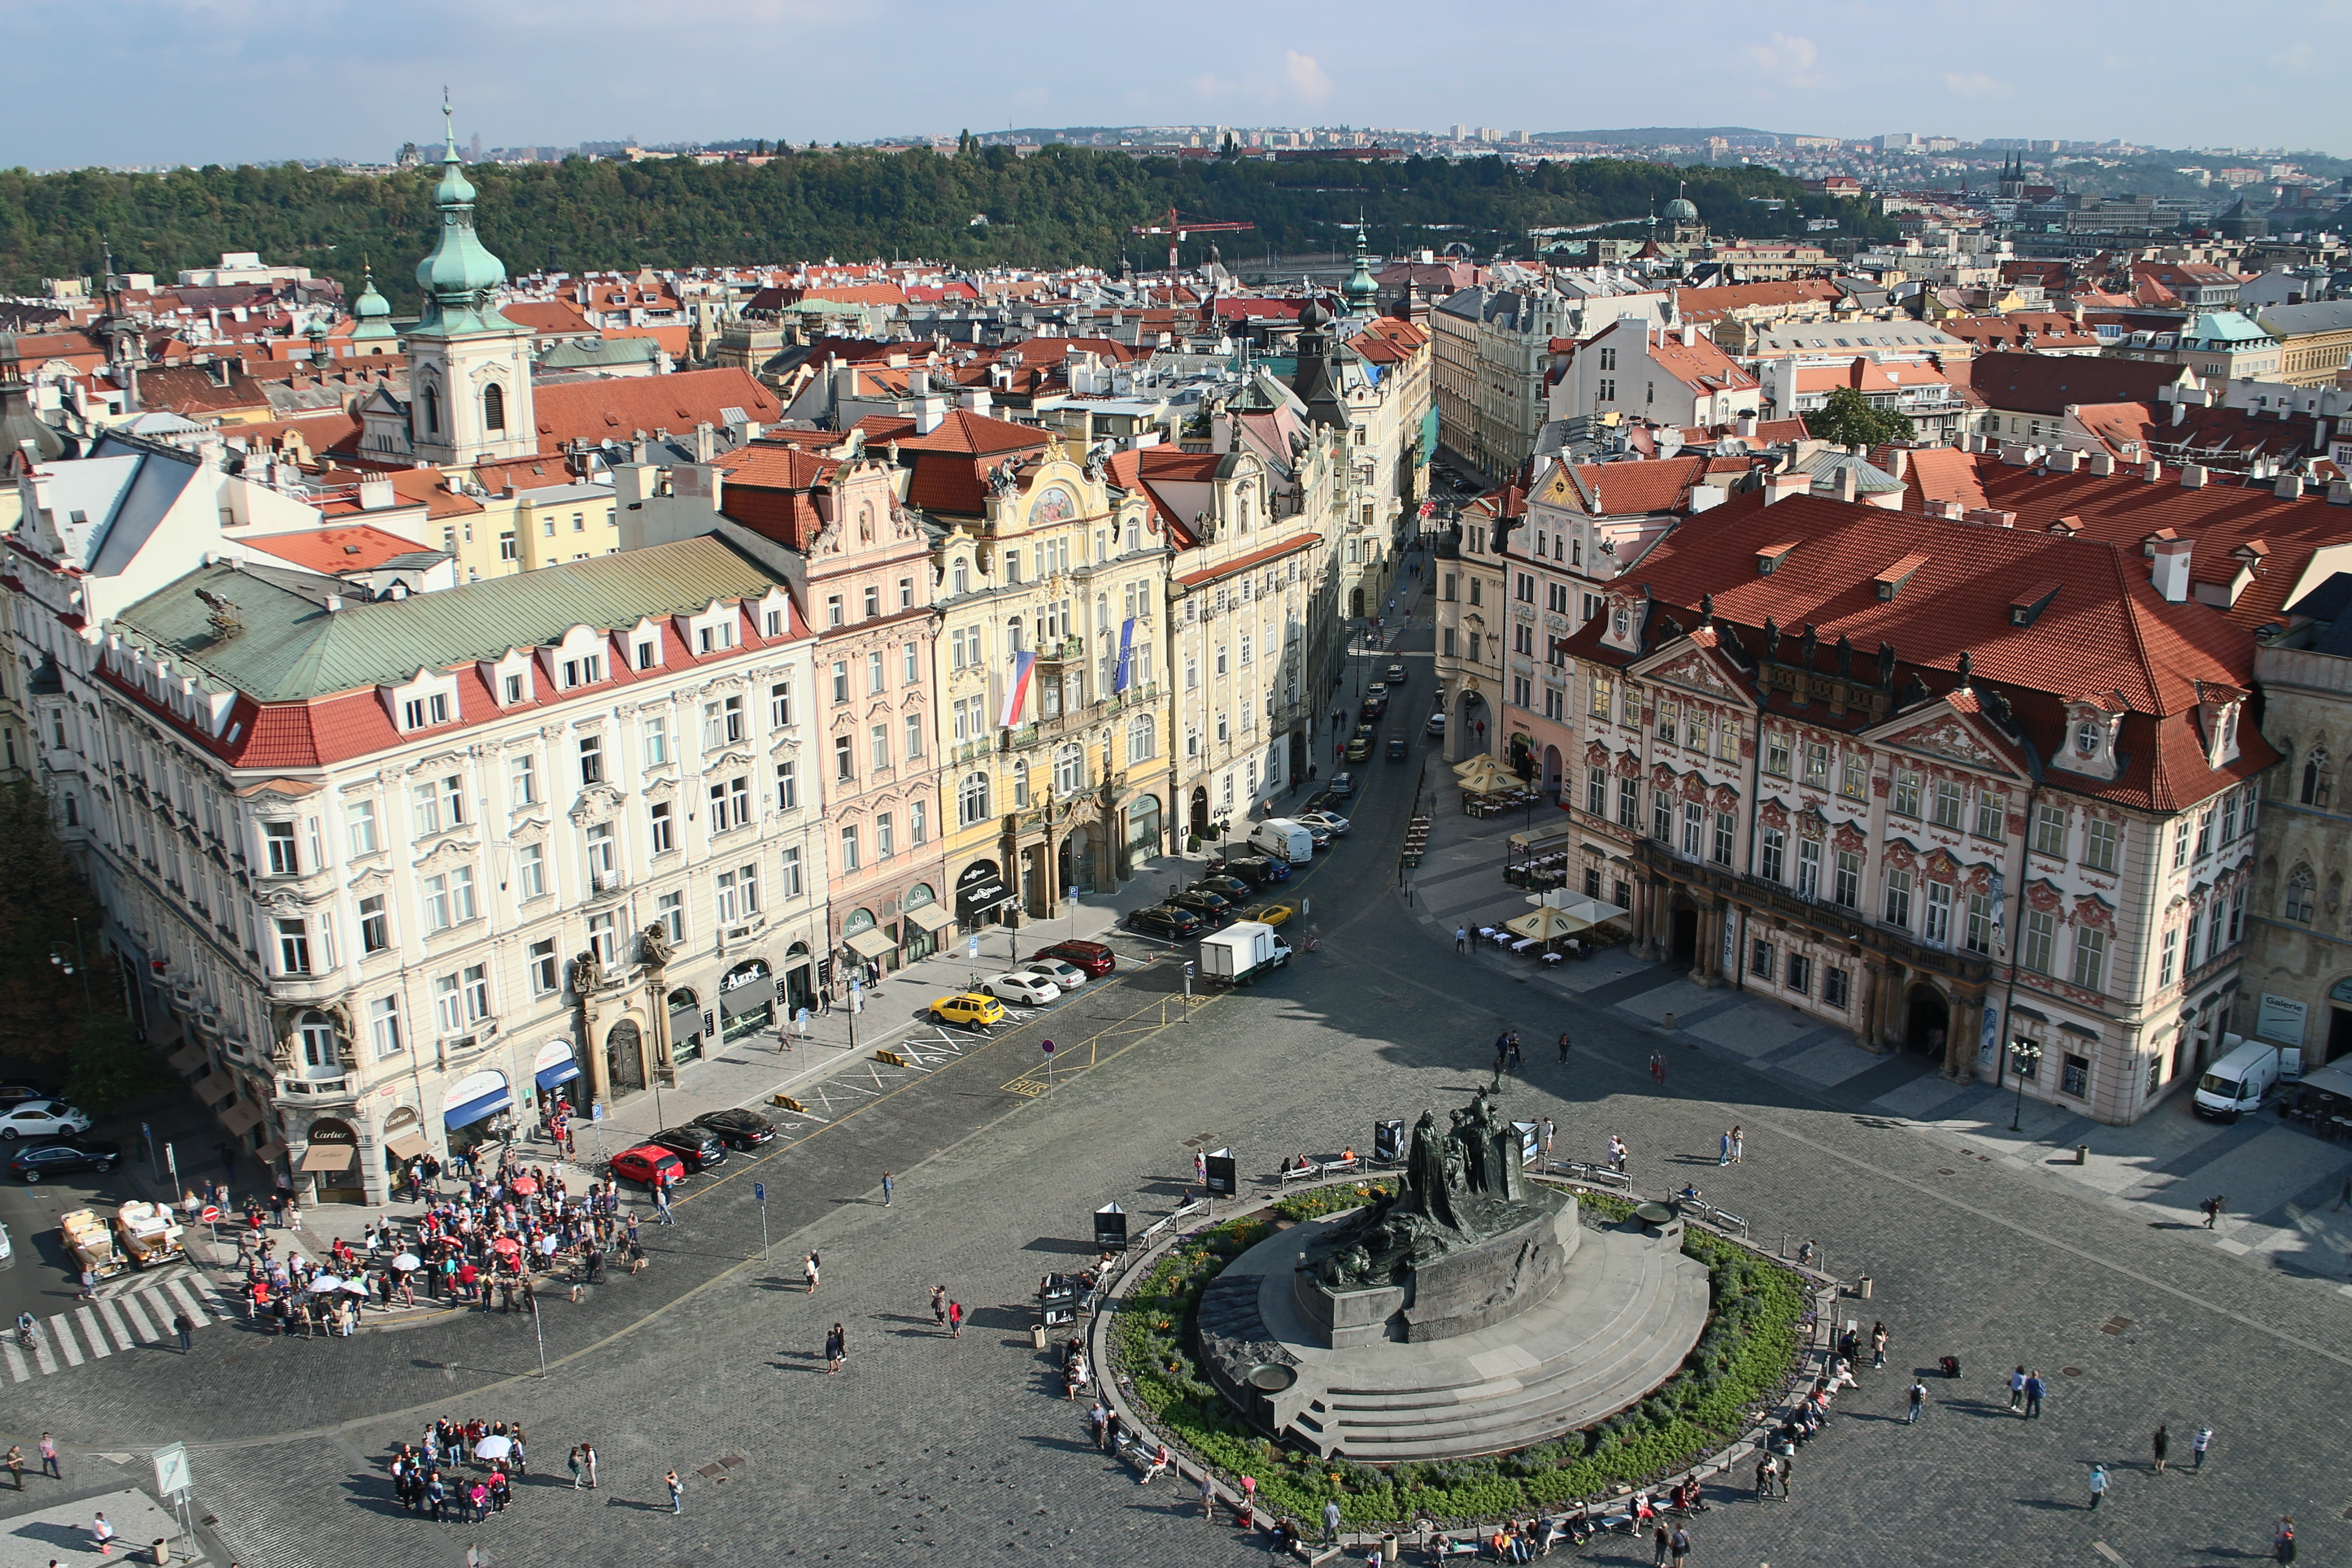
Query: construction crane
x=1178, y=231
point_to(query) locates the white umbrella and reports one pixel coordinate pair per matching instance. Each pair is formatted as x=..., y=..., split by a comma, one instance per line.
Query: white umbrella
x=324, y=1284
x=493, y=1447
x=355, y=1287
x=407, y=1260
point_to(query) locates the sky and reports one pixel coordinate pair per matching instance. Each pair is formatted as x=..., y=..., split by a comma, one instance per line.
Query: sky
x=162, y=81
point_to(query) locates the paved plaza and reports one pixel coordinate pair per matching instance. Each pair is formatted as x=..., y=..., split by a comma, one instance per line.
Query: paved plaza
x=1980, y=1243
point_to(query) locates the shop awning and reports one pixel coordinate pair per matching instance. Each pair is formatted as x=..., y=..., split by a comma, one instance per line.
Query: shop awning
x=736, y=1001
x=930, y=917
x=1543, y=838
x=474, y=1111
x=405, y=1145
x=188, y=1058
x=329, y=1157
x=270, y=1153
x=563, y=1072
x=241, y=1118
x=215, y=1087
x=873, y=944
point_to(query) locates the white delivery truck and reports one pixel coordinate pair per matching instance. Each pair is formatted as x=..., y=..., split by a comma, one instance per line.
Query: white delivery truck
x=1241, y=953
x=2235, y=1085
x=1280, y=835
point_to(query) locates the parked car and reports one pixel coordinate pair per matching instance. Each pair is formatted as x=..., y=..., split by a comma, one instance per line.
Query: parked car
x=1322, y=836
x=1371, y=713
x=1208, y=907
x=17, y=1093
x=1260, y=870
x=650, y=1164
x=970, y=1009
x=1269, y=914
x=1321, y=799
x=699, y=1147
x=1172, y=925
x=1378, y=690
x=1023, y=985
x=1092, y=957
x=1330, y=820
x=740, y=1127
x=43, y=1119
x=1359, y=746
x=1396, y=674
x=1397, y=749
x=1223, y=887
x=1069, y=976
x=1341, y=788
x=1435, y=729
x=54, y=1159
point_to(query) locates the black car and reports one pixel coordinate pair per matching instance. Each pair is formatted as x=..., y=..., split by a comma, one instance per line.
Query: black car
x=1173, y=925
x=738, y=1129
x=62, y=1154
x=699, y=1147
x=1370, y=713
x=1321, y=799
x=1395, y=675
x=1228, y=888
x=1397, y=748
x=1259, y=870
x=1208, y=907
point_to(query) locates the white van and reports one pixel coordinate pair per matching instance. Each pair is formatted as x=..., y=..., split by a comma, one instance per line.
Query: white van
x=2236, y=1084
x=1280, y=835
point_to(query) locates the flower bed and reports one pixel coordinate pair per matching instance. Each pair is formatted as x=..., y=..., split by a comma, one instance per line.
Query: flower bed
x=1749, y=1345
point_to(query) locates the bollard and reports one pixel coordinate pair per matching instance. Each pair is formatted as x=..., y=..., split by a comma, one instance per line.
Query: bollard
x=161, y=1552
x=1037, y=1336
x=1669, y=1024
x=1861, y=1287
x=2081, y=1154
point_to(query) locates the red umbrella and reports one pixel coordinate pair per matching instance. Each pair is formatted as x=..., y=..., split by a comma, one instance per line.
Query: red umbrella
x=526, y=1185
x=506, y=1243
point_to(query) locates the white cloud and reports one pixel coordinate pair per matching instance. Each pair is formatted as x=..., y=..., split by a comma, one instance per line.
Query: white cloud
x=1786, y=60
x=1307, y=78
x=1976, y=84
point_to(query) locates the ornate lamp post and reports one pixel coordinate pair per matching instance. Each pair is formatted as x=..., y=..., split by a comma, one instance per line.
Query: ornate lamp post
x=2026, y=1054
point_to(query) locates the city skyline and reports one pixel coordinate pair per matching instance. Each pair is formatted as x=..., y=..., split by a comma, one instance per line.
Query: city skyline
x=1837, y=70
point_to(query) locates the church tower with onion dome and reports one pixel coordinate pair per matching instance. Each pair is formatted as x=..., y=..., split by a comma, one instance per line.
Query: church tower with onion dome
x=469, y=367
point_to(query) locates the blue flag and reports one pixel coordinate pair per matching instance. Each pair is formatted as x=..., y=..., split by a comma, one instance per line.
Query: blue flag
x=1126, y=650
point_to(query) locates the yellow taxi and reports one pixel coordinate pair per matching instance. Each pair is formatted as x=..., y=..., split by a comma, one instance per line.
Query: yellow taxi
x=970, y=1009
x=1271, y=914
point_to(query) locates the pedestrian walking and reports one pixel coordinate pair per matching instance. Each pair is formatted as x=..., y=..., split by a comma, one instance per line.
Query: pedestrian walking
x=2016, y=1388
x=1563, y=1048
x=887, y=1188
x=1682, y=1544
x=17, y=1466
x=1461, y=939
x=2212, y=1207
x=48, y=1452
x=1763, y=1475
x=183, y=1325
x=1878, y=1347
x=102, y=1533
x=1783, y=1470
x=2162, y=1444
x=1097, y=1420
x=1199, y=1170
x=837, y=1345
x=809, y=1272
x=571, y=1463
x=676, y=1492
x=1919, y=1403
x=2034, y=1389
x=588, y=1463
x=1208, y=1496
x=955, y=1320
x=2098, y=1485
x=1547, y=1130
x=1661, y=1544
x=2283, y=1539
x=1618, y=1151
x=1658, y=1068
x=1519, y=1063
x=2197, y=1447
x=940, y=1305
x=1723, y=1148
x=1739, y=1145
x=1331, y=1520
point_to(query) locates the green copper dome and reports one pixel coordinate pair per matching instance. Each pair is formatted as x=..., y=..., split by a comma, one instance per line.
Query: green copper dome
x=1361, y=290
x=1682, y=210
x=372, y=311
x=458, y=278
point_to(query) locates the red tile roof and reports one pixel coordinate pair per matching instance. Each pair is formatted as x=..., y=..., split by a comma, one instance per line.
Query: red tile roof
x=2047, y=383
x=334, y=551
x=614, y=408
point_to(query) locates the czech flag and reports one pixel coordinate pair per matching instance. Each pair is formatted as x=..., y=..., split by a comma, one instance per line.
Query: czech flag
x=1017, y=691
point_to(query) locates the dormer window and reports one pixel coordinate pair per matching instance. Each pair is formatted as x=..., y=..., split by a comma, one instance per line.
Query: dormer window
x=423, y=703
x=2086, y=739
x=586, y=670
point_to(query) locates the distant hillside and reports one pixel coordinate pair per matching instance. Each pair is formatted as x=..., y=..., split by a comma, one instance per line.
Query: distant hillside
x=1656, y=135
x=1062, y=206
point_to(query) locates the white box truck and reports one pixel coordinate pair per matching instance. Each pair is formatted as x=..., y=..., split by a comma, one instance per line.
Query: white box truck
x=1241, y=953
x=1280, y=835
x=2235, y=1085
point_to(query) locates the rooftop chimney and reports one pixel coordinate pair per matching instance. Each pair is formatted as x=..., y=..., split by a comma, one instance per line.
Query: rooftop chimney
x=2290, y=487
x=706, y=442
x=2170, y=572
x=1747, y=426
x=929, y=413
x=1780, y=486
x=376, y=494
x=1849, y=488
x=2103, y=464
x=2192, y=476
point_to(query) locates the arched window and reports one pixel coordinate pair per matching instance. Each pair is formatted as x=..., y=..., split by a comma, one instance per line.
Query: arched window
x=432, y=411
x=1143, y=737
x=494, y=408
x=318, y=1040
x=2299, y=889
x=1070, y=769
x=972, y=799
x=2314, y=777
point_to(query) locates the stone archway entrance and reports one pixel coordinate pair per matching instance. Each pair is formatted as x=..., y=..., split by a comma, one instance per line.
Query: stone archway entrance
x=1686, y=949
x=1927, y=1020
x=1201, y=813
x=1470, y=725
x=624, y=1059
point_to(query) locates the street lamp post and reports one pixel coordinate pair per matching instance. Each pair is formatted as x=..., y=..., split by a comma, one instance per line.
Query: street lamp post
x=73, y=964
x=2027, y=1054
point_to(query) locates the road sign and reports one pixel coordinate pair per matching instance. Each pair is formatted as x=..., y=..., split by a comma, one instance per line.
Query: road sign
x=759, y=1192
x=971, y=944
x=1048, y=1047
x=172, y=1476
x=211, y=1214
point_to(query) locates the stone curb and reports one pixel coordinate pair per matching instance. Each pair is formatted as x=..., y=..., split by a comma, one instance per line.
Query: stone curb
x=1812, y=1357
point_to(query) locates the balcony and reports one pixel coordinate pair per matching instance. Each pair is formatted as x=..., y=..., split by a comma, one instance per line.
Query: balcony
x=319, y=1092
x=604, y=887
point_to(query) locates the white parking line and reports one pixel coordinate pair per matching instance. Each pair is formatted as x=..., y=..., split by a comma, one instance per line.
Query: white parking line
x=98, y=1345
x=61, y=1330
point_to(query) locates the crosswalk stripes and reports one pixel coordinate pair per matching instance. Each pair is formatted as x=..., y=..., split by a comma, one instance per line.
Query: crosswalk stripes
x=98, y=1345
x=114, y=1323
x=139, y=1319
x=62, y=1326
x=16, y=1367
x=142, y=1317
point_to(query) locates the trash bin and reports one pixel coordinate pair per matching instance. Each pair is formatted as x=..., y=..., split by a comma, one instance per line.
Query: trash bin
x=2081, y=1154
x=1037, y=1336
x=1861, y=1287
x=162, y=1552
x=1389, y=1549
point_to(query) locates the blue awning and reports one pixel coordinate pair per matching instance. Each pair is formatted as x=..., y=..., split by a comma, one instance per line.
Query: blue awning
x=562, y=1072
x=474, y=1111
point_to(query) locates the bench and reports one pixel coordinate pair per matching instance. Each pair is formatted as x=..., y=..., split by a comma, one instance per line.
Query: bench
x=1333, y=1167
x=1307, y=1172
x=1579, y=1170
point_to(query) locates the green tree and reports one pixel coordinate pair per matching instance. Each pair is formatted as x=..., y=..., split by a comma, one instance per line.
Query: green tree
x=1846, y=418
x=41, y=1007
x=111, y=1068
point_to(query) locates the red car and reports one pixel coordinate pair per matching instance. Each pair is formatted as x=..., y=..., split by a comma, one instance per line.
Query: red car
x=648, y=1164
x=1091, y=956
